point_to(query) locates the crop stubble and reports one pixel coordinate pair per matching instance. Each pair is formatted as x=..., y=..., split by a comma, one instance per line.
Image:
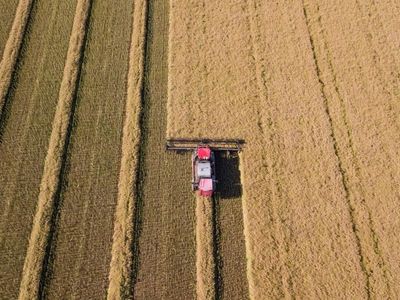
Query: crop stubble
x=300, y=215
x=121, y=267
x=12, y=49
x=7, y=14
x=42, y=223
x=81, y=251
x=26, y=130
x=165, y=214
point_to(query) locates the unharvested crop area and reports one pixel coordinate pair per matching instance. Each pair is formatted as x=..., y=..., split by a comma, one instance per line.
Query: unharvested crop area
x=93, y=206
x=313, y=89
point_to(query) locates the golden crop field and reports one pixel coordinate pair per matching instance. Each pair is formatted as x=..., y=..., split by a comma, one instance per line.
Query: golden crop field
x=312, y=87
x=92, y=204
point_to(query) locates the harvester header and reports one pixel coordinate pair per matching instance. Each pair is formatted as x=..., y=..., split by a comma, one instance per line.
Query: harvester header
x=214, y=144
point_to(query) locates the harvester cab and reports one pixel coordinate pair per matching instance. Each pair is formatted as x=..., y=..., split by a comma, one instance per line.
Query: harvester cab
x=204, y=178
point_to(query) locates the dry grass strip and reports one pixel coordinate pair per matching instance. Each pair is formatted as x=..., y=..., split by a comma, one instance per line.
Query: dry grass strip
x=30, y=283
x=205, y=264
x=121, y=260
x=12, y=48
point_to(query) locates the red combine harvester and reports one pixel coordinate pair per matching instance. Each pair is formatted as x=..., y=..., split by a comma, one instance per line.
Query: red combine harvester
x=204, y=176
x=203, y=171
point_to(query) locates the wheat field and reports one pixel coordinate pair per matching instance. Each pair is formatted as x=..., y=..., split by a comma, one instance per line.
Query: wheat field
x=93, y=205
x=312, y=88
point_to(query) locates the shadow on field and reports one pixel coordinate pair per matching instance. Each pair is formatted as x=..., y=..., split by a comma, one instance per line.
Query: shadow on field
x=228, y=175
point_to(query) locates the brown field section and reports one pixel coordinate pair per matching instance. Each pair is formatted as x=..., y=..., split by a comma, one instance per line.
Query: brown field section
x=25, y=132
x=81, y=248
x=7, y=13
x=319, y=170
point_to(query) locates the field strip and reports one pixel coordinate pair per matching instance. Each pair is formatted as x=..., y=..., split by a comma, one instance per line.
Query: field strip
x=12, y=49
x=205, y=260
x=34, y=260
x=26, y=130
x=230, y=250
x=363, y=114
x=7, y=15
x=165, y=249
x=282, y=279
x=121, y=255
x=343, y=175
x=80, y=253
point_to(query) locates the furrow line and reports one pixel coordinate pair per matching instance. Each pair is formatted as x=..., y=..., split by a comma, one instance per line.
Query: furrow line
x=372, y=253
x=122, y=258
x=351, y=208
x=12, y=49
x=35, y=260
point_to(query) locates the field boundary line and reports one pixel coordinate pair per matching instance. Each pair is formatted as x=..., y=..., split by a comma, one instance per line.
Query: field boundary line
x=12, y=49
x=121, y=266
x=35, y=260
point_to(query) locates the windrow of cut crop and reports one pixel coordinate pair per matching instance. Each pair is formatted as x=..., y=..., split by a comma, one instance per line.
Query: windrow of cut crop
x=49, y=187
x=122, y=258
x=12, y=48
x=205, y=260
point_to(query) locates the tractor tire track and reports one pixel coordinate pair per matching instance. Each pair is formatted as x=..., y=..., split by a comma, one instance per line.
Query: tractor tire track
x=353, y=165
x=343, y=175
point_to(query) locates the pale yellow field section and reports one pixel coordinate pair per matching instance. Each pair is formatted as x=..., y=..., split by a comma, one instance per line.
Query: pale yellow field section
x=313, y=88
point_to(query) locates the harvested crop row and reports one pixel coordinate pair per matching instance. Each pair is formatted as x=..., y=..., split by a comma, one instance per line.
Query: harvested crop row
x=165, y=251
x=80, y=255
x=362, y=95
x=205, y=262
x=120, y=286
x=26, y=131
x=12, y=49
x=7, y=15
x=294, y=200
x=231, y=252
x=35, y=256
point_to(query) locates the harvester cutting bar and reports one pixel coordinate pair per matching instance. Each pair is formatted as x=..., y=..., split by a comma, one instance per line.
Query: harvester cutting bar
x=214, y=144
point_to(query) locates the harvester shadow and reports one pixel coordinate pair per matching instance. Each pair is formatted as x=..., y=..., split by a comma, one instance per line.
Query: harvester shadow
x=228, y=175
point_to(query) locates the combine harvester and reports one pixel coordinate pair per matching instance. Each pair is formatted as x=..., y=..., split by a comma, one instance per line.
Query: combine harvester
x=204, y=177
